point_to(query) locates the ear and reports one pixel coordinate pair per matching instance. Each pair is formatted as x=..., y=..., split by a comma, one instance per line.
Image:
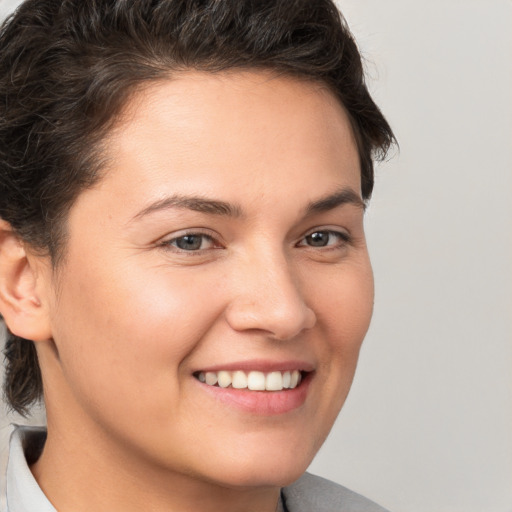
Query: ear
x=22, y=286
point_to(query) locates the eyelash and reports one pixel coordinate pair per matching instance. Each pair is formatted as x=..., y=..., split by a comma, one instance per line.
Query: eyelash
x=171, y=244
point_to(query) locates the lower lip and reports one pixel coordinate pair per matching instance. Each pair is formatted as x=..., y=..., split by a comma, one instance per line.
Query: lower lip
x=264, y=403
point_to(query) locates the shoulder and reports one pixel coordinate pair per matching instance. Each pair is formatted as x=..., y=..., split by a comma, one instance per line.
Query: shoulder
x=311, y=492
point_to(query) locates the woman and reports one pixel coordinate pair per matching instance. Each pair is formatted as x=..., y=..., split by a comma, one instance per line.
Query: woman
x=184, y=273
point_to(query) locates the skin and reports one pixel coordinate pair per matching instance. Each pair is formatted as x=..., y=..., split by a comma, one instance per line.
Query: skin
x=129, y=317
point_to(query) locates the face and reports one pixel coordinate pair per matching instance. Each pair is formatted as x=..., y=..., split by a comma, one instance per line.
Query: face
x=224, y=248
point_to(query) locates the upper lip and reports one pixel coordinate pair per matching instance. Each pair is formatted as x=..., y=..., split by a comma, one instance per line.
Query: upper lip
x=260, y=365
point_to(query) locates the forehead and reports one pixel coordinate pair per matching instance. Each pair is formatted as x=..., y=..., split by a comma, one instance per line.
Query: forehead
x=242, y=134
x=198, y=102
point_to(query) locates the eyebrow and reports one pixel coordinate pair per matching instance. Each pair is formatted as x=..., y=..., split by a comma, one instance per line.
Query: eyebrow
x=222, y=208
x=198, y=204
x=339, y=198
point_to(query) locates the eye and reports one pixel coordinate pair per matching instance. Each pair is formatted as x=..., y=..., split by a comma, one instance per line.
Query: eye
x=192, y=242
x=325, y=238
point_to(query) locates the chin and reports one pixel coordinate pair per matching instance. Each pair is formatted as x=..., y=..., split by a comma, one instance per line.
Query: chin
x=270, y=477
x=279, y=470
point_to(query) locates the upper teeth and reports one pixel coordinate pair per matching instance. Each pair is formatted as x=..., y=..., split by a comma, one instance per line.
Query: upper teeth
x=255, y=381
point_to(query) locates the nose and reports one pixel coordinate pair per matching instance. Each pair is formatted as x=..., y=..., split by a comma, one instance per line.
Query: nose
x=267, y=297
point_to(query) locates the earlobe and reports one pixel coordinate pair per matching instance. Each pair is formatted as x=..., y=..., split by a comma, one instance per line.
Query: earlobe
x=21, y=305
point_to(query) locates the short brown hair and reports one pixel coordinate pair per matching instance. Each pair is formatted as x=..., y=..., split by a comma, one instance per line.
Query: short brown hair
x=67, y=68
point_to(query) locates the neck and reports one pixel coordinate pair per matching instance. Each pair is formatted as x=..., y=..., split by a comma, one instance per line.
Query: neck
x=80, y=473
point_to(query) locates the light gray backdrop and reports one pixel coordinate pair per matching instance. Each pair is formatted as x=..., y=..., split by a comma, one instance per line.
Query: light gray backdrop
x=428, y=424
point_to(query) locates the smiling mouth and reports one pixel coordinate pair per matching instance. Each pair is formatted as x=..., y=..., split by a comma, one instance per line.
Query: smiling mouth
x=253, y=380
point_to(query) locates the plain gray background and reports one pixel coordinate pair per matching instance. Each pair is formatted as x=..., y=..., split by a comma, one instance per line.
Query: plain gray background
x=428, y=424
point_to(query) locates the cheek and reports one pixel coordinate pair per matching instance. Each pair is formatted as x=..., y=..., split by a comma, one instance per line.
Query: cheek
x=344, y=306
x=125, y=332
x=344, y=313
